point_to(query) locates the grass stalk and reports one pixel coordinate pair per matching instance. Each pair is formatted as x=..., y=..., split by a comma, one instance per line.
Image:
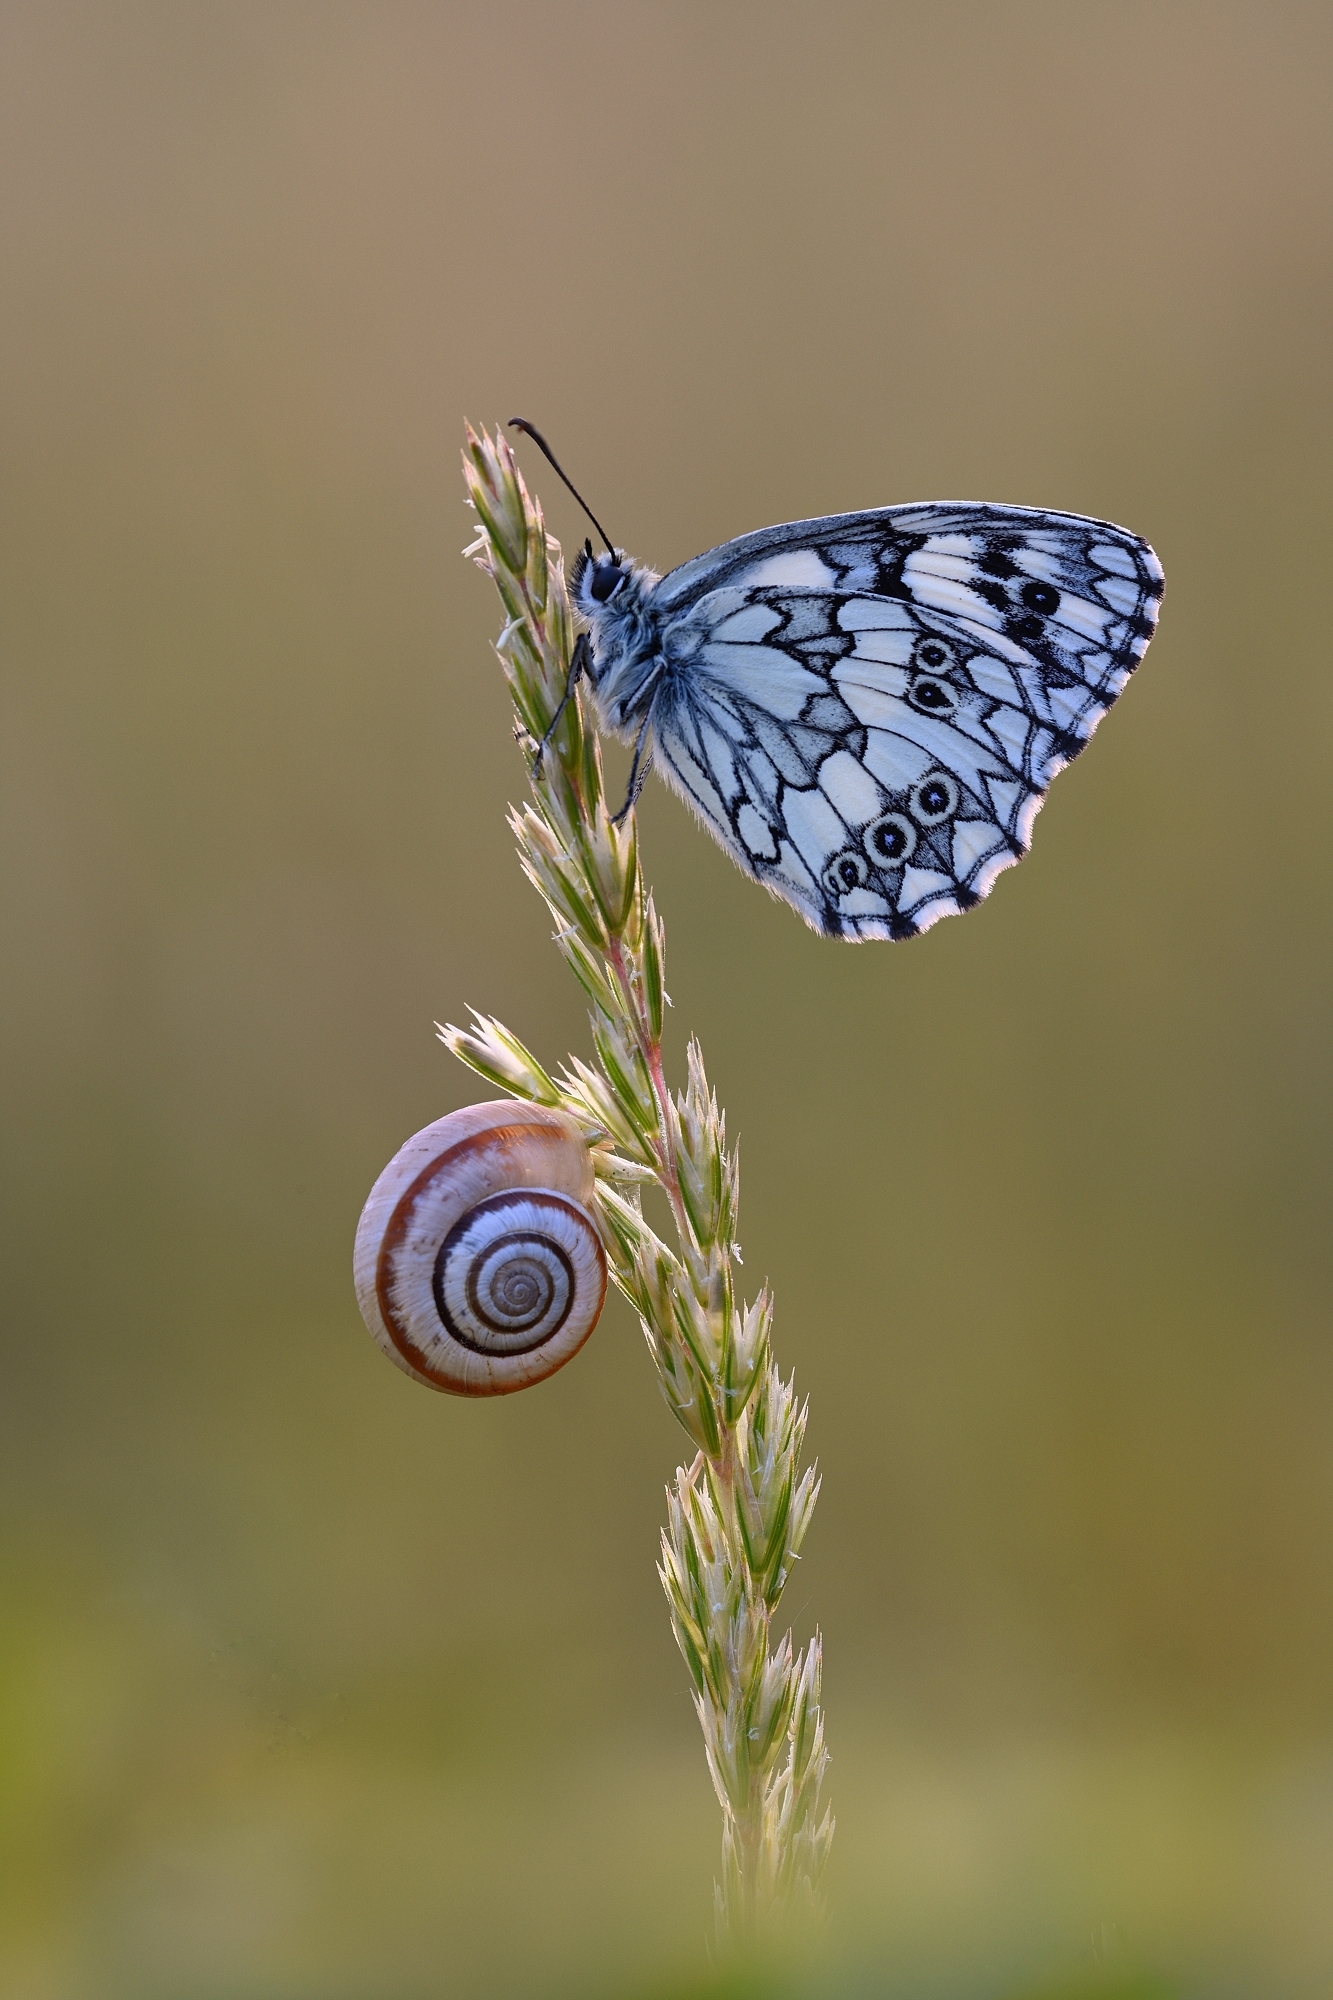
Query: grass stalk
x=737, y=1514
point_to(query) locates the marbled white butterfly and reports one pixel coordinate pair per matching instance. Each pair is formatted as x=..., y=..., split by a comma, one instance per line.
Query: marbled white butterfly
x=866, y=710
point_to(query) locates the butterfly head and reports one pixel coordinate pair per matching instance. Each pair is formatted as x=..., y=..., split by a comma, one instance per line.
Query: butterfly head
x=596, y=579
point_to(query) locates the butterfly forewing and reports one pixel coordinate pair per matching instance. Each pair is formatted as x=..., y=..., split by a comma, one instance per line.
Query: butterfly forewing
x=867, y=710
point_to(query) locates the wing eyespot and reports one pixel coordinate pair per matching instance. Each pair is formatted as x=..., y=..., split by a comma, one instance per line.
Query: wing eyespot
x=890, y=840
x=845, y=872
x=935, y=799
x=931, y=696
x=1042, y=597
x=934, y=655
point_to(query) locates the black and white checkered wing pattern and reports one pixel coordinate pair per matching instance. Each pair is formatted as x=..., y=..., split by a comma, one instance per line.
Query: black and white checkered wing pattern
x=867, y=710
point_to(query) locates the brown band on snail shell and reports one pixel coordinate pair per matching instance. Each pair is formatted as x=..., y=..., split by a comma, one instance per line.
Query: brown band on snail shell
x=478, y=1266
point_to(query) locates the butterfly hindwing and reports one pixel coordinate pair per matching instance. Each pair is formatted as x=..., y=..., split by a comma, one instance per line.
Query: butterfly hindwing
x=867, y=710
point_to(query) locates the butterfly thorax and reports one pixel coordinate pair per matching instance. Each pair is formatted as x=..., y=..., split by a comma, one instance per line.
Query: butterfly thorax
x=614, y=594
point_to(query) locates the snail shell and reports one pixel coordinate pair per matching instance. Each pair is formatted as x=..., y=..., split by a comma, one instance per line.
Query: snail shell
x=478, y=1265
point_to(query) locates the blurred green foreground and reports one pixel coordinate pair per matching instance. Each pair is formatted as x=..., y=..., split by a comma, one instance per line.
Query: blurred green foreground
x=314, y=1686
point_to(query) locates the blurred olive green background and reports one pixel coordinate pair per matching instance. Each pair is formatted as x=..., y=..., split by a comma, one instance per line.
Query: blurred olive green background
x=314, y=1686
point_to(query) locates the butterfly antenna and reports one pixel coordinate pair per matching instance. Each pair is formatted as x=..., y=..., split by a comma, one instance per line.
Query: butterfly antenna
x=530, y=430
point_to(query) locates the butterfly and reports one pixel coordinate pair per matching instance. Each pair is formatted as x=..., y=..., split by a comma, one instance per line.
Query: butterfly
x=866, y=710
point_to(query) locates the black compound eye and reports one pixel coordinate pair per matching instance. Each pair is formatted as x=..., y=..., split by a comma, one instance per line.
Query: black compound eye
x=890, y=839
x=846, y=871
x=932, y=697
x=935, y=799
x=1043, y=597
x=604, y=579
x=933, y=653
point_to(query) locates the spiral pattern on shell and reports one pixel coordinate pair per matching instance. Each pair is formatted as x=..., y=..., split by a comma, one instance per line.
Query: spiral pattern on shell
x=479, y=1268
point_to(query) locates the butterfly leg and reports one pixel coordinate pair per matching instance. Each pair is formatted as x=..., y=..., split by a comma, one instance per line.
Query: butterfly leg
x=578, y=666
x=638, y=773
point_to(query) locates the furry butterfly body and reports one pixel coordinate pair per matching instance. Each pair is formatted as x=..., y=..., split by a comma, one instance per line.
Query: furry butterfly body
x=866, y=710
